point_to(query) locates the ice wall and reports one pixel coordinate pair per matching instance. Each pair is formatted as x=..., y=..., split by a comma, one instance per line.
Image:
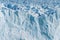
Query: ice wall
x=29, y=19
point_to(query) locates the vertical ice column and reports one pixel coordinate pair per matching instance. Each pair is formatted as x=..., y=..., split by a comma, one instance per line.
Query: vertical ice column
x=44, y=27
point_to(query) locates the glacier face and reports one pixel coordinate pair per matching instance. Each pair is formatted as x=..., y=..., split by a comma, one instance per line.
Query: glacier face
x=29, y=20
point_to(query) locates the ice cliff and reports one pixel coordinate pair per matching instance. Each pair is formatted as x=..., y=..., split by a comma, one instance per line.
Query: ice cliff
x=29, y=19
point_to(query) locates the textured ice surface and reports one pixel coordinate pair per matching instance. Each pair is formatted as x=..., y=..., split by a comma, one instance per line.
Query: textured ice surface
x=29, y=19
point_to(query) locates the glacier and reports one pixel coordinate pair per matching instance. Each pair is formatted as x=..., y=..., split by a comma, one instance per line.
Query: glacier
x=29, y=19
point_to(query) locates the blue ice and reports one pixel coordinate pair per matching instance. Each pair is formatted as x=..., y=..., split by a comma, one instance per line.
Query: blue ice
x=29, y=20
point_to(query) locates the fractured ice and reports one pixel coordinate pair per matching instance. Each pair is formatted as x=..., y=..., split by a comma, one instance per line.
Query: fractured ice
x=29, y=19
